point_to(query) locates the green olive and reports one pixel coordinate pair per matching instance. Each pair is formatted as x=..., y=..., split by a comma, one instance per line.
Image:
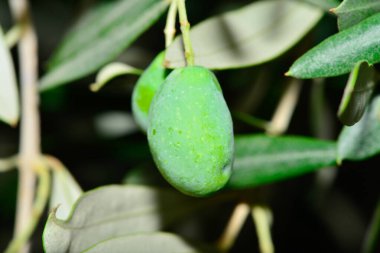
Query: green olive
x=190, y=132
x=145, y=89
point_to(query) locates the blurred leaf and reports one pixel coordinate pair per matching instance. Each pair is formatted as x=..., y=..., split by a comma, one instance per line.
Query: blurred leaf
x=261, y=159
x=9, y=101
x=100, y=36
x=338, y=54
x=357, y=93
x=65, y=191
x=114, y=124
x=113, y=211
x=362, y=140
x=145, y=175
x=248, y=36
x=351, y=12
x=324, y=4
x=158, y=242
x=111, y=71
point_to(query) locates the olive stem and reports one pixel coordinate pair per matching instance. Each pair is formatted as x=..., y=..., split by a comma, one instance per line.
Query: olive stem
x=373, y=232
x=185, y=29
x=170, y=30
x=8, y=163
x=284, y=111
x=29, y=153
x=251, y=120
x=13, y=35
x=262, y=217
x=233, y=227
x=42, y=196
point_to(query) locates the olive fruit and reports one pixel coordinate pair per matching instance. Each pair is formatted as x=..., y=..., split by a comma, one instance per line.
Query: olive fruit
x=145, y=89
x=190, y=132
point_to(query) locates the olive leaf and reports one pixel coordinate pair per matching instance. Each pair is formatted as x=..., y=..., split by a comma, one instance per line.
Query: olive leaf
x=351, y=12
x=339, y=53
x=111, y=71
x=357, y=93
x=113, y=211
x=9, y=101
x=99, y=37
x=363, y=139
x=254, y=34
x=158, y=242
x=324, y=4
x=261, y=159
x=65, y=191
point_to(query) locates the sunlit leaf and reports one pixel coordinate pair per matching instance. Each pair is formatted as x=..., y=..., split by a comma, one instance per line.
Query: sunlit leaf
x=9, y=102
x=261, y=159
x=324, y=4
x=113, y=211
x=339, y=53
x=111, y=71
x=363, y=139
x=100, y=36
x=157, y=242
x=351, y=12
x=357, y=93
x=252, y=35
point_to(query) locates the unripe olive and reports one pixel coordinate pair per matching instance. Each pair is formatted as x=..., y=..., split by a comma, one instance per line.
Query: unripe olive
x=190, y=132
x=145, y=89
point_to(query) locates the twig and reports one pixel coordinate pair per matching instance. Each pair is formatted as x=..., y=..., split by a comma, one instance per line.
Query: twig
x=373, y=234
x=169, y=30
x=262, y=219
x=9, y=163
x=13, y=35
x=281, y=118
x=41, y=199
x=185, y=29
x=30, y=129
x=233, y=227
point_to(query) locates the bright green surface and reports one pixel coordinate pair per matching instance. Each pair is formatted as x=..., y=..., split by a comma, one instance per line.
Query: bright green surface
x=145, y=89
x=261, y=159
x=190, y=132
x=339, y=53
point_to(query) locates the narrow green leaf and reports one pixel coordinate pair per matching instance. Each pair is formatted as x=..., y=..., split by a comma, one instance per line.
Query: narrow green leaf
x=363, y=139
x=65, y=192
x=324, y=4
x=338, y=54
x=261, y=159
x=100, y=36
x=254, y=34
x=112, y=211
x=351, y=12
x=158, y=242
x=111, y=71
x=9, y=102
x=357, y=93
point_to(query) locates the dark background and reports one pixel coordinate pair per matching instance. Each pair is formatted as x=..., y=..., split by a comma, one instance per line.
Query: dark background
x=307, y=216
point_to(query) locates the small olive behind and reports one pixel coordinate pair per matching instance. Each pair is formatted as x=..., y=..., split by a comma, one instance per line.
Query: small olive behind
x=190, y=132
x=145, y=89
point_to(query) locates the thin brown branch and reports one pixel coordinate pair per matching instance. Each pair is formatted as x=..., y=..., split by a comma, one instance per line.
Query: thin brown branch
x=30, y=129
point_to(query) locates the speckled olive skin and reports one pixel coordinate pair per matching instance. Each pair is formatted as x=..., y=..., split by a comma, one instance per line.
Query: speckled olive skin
x=190, y=132
x=146, y=87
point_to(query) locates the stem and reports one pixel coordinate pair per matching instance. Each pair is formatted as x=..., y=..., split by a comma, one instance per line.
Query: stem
x=8, y=163
x=41, y=199
x=250, y=120
x=233, y=227
x=281, y=118
x=170, y=24
x=262, y=218
x=14, y=35
x=30, y=129
x=185, y=29
x=373, y=234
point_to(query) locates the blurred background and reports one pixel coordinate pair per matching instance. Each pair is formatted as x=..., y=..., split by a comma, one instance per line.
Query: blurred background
x=94, y=135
